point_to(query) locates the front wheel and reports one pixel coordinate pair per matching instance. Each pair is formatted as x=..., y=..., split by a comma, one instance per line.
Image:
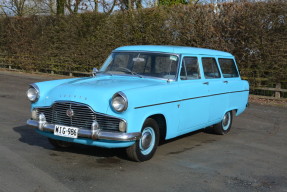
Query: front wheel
x=224, y=126
x=145, y=147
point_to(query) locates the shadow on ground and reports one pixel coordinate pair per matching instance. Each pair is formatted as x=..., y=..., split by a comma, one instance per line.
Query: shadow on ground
x=31, y=137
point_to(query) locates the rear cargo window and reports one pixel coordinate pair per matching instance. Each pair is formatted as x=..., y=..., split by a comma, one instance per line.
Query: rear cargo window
x=228, y=68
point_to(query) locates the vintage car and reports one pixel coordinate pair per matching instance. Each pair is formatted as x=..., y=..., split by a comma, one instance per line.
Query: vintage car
x=140, y=96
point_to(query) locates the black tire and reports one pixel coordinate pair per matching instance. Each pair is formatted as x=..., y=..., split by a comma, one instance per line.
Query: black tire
x=60, y=144
x=224, y=126
x=145, y=147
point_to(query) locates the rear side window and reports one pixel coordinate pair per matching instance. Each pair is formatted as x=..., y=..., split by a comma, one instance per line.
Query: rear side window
x=189, y=69
x=228, y=68
x=210, y=68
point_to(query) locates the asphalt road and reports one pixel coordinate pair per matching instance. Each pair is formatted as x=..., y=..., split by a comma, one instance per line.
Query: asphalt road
x=252, y=157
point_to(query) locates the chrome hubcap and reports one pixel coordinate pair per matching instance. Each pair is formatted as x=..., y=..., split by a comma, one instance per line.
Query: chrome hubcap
x=226, y=121
x=147, y=141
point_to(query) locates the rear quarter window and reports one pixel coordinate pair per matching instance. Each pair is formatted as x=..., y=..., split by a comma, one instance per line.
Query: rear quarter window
x=228, y=68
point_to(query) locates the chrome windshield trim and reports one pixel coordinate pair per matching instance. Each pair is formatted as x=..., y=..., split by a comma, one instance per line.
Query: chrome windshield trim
x=154, y=52
x=97, y=135
x=130, y=75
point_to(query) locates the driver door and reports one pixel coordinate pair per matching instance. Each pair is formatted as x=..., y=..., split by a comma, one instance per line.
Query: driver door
x=194, y=105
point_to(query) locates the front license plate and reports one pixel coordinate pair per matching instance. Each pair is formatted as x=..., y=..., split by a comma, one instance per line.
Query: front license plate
x=65, y=131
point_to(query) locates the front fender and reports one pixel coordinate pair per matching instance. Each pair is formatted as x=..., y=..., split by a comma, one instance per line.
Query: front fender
x=147, y=101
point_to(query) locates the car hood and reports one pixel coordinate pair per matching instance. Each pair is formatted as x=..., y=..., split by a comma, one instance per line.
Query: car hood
x=96, y=91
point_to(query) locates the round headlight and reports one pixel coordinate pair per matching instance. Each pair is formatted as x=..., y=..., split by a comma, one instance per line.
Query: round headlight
x=119, y=102
x=33, y=94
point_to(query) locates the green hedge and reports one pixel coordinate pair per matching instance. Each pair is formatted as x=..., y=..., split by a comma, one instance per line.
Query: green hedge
x=255, y=33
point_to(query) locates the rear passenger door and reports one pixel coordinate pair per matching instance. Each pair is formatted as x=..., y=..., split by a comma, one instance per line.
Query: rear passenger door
x=194, y=105
x=216, y=89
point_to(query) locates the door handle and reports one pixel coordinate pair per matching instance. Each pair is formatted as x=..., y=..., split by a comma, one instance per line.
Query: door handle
x=225, y=82
x=206, y=83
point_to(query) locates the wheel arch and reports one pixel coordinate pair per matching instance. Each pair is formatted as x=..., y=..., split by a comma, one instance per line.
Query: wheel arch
x=161, y=121
x=232, y=110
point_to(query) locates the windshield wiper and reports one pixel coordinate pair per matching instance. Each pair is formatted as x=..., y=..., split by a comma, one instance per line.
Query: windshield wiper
x=105, y=73
x=130, y=71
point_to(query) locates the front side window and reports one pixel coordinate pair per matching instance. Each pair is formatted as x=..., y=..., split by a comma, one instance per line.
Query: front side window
x=228, y=68
x=142, y=64
x=189, y=69
x=210, y=68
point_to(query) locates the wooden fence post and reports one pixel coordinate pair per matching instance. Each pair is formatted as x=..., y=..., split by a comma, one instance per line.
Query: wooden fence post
x=277, y=93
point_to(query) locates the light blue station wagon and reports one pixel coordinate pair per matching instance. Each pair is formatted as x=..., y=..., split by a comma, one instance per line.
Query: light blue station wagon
x=141, y=95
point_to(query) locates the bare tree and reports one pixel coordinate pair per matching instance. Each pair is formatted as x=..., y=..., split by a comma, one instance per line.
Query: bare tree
x=79, y=6
x=126, y=4
x=73, y=5
x=89, y=5
x=46, y=7
x=108, y=5
x=60, y=7
x=27, y=7
x=14, y=7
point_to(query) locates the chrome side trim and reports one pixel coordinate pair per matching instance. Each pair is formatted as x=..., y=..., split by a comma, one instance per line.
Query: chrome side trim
x=188, y=99
x=92, y=134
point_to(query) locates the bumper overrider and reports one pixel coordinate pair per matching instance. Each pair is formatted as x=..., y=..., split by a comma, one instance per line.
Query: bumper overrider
x=94, y=134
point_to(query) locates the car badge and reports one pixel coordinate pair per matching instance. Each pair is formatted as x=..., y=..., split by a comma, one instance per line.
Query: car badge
x=70, y=113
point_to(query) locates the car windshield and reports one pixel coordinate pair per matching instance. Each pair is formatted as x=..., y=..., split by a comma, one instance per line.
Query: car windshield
x=141, y=64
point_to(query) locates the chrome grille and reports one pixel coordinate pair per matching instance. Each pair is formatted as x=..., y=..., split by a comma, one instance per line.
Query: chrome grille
x=83, y=116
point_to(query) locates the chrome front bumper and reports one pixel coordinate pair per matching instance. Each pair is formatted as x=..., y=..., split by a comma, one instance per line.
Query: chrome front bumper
x=92, y=134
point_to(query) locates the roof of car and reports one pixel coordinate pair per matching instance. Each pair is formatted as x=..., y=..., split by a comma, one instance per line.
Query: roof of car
x=173, y=49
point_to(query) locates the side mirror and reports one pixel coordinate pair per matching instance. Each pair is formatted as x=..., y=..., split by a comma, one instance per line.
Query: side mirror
x=94, y=73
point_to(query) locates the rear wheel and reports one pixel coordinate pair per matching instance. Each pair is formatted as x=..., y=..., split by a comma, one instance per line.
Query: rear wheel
x=60, y=144
x=145, y=148
x=224, y=126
